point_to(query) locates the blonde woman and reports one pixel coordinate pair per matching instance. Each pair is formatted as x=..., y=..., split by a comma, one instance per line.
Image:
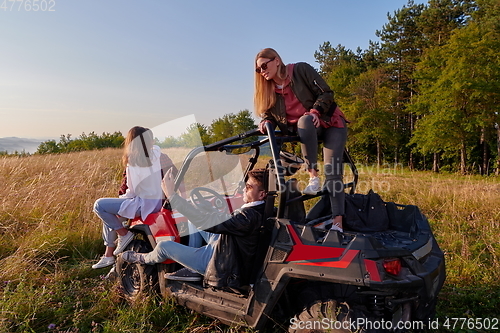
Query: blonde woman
x=296, y=99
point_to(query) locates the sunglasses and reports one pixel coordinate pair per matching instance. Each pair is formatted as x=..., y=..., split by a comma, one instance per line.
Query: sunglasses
x=263, y=67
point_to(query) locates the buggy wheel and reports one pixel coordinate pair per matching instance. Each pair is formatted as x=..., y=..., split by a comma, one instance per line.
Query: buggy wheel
x=402, y=316
x=137, y=279
x=326, y=316
x=162, y=282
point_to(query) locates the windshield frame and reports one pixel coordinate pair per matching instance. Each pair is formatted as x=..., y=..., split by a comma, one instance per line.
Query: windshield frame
x=221, y=146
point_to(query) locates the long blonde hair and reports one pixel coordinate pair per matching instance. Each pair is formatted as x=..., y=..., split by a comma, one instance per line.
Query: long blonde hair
x=264, y=96
x=138, y=147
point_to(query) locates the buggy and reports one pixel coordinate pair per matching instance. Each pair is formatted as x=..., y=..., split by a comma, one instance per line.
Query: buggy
x=373, y=276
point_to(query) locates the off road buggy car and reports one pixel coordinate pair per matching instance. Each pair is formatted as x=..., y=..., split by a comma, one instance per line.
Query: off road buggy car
x=310, y=278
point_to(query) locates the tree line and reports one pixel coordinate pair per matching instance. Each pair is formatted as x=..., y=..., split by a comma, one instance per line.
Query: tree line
x=197, y=134
x=89, y=141
x=427, y=95
x=224, y=127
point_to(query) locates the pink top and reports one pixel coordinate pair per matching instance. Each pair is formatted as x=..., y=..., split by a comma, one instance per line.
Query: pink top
x=295, y=109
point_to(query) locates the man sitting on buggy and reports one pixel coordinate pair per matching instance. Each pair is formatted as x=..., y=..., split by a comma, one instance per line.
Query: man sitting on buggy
x=226, y=261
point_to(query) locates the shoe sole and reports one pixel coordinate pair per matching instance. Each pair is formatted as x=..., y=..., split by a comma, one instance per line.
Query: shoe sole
x=187, y=279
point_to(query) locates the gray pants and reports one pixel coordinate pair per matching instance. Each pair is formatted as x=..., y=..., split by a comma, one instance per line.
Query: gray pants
x=334, y=140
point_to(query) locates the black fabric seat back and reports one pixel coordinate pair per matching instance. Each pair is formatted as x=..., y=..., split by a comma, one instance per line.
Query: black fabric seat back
x=294, y=209
x=264, y=237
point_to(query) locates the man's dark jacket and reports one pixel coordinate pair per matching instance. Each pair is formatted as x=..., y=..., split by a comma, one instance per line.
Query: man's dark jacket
x=232, y=264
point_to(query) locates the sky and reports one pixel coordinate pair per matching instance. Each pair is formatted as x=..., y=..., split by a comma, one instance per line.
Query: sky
x=81, y=66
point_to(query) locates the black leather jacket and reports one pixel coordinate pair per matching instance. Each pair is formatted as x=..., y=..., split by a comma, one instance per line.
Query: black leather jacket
x=236, y=251
x=312, y=92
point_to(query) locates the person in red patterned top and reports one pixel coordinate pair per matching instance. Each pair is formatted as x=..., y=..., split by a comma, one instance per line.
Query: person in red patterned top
x=296, y=99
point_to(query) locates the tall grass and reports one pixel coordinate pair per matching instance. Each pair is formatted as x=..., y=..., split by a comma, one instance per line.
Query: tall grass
x=50, y=237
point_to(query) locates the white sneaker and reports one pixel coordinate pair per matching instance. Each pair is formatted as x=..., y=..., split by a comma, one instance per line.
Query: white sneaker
x=123, y=241
x=104, y=262
x=337, y=228
x=313, y=187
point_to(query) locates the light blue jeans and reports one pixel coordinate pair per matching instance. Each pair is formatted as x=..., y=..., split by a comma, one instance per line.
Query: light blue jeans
x=107, y=210
x=195, y=258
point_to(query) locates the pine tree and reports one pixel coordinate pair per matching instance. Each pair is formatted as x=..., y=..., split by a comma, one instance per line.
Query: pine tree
x=401, y=48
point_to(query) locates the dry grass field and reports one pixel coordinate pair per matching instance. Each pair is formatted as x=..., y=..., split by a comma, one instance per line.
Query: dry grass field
x=46, y=208
x=50, y=237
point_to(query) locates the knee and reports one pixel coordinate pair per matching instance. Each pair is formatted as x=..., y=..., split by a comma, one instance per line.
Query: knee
x=305, y=121
x=164, y=249
x=97, y=205
x=164, y=244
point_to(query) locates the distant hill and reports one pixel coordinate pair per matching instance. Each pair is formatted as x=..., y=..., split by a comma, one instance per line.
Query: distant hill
x=13, y=144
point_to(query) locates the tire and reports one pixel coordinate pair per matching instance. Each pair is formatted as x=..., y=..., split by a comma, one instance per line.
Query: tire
x=137, y=279
x=405, y=316
x=162, y=282
x=325, y=316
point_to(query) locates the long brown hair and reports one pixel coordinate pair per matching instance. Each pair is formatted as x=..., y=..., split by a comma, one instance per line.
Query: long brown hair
x=138, y=147
x=264, y=96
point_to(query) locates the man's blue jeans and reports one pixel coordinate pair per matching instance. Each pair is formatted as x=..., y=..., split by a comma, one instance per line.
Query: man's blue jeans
x=195, y=258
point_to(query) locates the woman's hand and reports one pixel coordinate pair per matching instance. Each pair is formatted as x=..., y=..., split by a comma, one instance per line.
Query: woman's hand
x=315, y=114
x=167, y=184
x=262, y=126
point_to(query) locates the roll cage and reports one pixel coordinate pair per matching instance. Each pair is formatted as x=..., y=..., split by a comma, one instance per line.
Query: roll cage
x=275, y=139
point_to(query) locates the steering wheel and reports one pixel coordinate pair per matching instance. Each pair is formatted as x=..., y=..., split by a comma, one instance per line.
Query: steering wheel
x=201, y=201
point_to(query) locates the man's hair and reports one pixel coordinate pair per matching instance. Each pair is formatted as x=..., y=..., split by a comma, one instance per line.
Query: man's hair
x=260, y=175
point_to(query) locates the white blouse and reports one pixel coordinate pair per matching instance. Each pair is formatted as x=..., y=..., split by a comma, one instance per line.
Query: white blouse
x=144, y=188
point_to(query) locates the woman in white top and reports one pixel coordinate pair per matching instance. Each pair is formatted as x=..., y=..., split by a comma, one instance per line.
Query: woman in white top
x=142, y=197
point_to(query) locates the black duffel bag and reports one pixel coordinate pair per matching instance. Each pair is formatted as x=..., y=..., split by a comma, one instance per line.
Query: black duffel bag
x=365, y=213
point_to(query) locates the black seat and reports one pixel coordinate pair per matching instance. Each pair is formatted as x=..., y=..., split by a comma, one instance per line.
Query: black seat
x=294, y=209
